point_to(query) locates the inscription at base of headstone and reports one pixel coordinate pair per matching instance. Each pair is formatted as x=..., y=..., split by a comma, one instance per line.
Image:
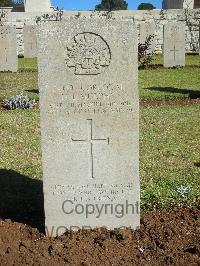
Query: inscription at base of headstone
x=147, y=30
x=174, y=44
x=8, y=49
x=89, y=124
x=30, y=43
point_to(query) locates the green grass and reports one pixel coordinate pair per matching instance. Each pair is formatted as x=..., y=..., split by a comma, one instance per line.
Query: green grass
x=27, y=64
x=191, y=59
x=20, y=142
x=160, y=84
x=169, y=150
x=26, y=80
x=170, y=84
x=169, y=142
x=165, y=84
x=15, y=83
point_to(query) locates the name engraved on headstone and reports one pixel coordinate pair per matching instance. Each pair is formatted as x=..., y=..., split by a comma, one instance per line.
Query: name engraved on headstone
x=92, y=99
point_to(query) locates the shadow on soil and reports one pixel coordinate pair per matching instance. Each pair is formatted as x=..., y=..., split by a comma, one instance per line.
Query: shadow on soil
x=192, y=93
x=21, y=199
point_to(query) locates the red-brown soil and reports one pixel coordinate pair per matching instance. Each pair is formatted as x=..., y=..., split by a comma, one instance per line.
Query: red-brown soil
x=157, y=66
x=170, y=102
x=145, y=102
x=165, y=238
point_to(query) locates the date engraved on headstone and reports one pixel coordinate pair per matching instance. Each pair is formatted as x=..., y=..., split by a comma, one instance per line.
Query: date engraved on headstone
x=88, y=54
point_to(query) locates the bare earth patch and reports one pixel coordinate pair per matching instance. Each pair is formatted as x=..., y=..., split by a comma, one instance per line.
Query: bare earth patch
x=145, y=102
x=165, y=238
x=170, y=102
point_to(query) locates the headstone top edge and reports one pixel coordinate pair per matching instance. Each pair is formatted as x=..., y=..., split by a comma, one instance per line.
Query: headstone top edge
x=80, y=20
x=179, y=23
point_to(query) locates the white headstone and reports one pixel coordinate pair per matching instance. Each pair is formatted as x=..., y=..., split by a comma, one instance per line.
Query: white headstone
x=189, y=4
x=8, y=49
x=30, y=42
x=178, y=4
x=89, y=123
x=147, y=30
x=174, y=44
x=37, y=5
x=199, y=38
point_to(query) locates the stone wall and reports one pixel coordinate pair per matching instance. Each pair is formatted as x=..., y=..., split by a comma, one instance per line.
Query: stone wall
x=160, y=17
x=191, y=17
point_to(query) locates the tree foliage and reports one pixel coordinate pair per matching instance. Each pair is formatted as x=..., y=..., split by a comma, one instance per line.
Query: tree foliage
x=13, y=3
x=109, y=5
x=146, y=6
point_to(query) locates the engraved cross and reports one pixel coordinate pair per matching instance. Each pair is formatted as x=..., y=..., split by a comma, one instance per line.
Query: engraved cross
x=174, y=50
x=6, y=59
x=91, y=141
x=30, y=43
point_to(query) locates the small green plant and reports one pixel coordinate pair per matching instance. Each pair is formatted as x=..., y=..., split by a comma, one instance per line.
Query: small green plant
x=19, y=101
x=146, y=6
x=55, y=16
x=145, y=56
x=111, y=5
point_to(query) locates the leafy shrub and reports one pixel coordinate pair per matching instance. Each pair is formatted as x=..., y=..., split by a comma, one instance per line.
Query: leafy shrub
x=19, y=101
x=145, y=56
x=146, y=6
x=111, y=5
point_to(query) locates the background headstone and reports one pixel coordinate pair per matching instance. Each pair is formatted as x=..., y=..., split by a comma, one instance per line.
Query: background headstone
x=89, y=122
x=8, y=49
x=30, y=42
x=174, y=44
x=199, y=38
x=147, y=29
x=37, y=6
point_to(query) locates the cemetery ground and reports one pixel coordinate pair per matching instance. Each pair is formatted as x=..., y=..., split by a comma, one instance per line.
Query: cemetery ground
x=169, y=174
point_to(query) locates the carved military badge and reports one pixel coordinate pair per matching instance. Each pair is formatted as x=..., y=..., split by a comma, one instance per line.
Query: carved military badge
x=88, y=54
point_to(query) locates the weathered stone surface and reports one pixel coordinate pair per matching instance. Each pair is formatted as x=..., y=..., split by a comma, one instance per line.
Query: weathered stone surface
x=174, y=44
x=146, y=30
x=8, y=49
x=199, y=38
x=30, y=42
x=159, y=17
x=89, y=123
